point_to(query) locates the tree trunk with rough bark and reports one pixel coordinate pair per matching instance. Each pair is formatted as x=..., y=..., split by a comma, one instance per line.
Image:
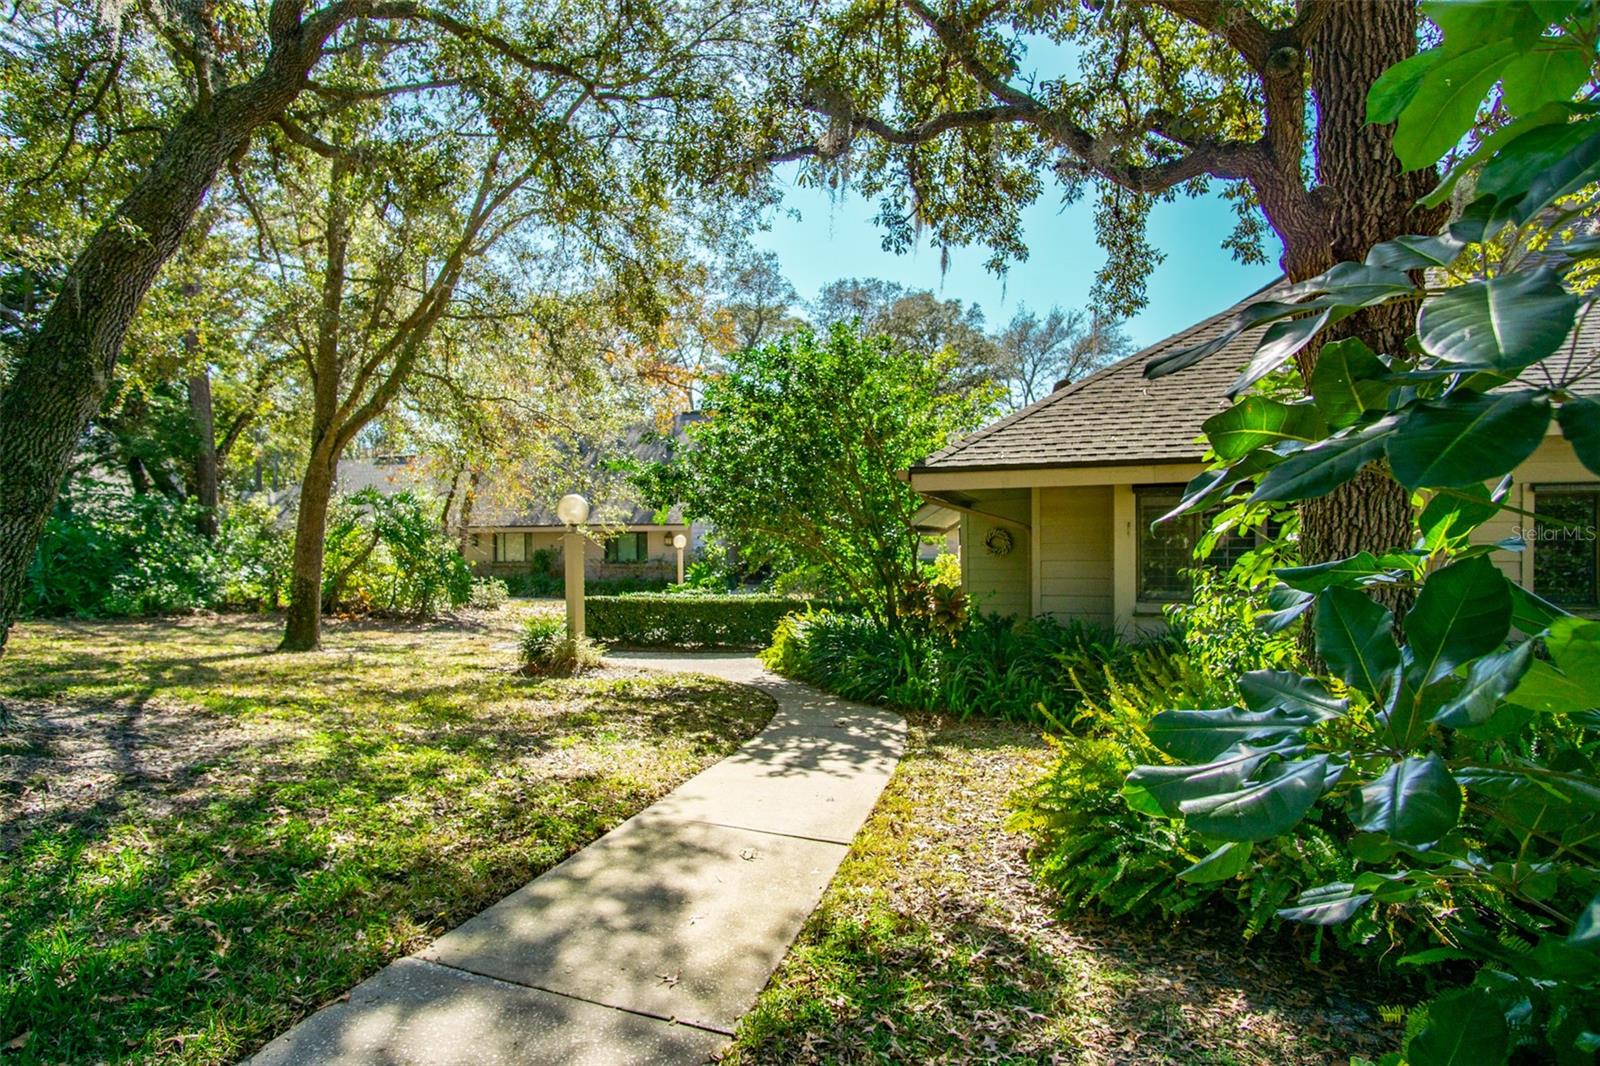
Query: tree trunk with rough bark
x=65, y=368
x=302, y=629
x=1361, y=199
x=206, y=477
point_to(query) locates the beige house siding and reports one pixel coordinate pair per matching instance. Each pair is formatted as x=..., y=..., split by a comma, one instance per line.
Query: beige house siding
x=1074, y=534
x=1000, y=584
x=1077, y=546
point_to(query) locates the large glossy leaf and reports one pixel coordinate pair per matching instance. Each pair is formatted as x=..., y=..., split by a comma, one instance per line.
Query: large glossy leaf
x=1200, y=736
x=1265, y=807
x=1586, y=930
x=1417, y=252
x=1504, y=323
x=1507, y=177
x=1227, y=862
x=1209, y=486
x=1532, y=614
x=1573, y=171
x=1321, y=468
x=1346, y=573
x=1414, y=801
x=1547, y=73
x=1464, y=1029
x=1267, y=690
x=1348, y=382
x=1327, y=904
x=1284, y=606
x=1467, y=438
x=1159, y=790
x=1355, y=637
x=1462, y=612
x=1278, y=345
x=1488, y=682
x=1255, y=421
x=1451, y=515
x=1580, y=424
x=1395, y=87
x=1444, y=105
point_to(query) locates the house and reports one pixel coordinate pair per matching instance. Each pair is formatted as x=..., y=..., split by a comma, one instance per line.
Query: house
x=1054, y=503
x=507, y=534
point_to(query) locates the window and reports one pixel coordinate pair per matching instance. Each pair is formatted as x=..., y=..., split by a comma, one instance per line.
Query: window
x=628, y=548
x=511, y=547
x=1565, y=566
x=1166, y=550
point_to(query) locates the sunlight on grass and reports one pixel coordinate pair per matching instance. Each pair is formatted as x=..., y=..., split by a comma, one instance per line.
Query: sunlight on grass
x=204, y=842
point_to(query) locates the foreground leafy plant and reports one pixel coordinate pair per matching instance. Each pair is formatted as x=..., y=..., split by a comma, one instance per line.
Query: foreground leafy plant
x=1458, y=742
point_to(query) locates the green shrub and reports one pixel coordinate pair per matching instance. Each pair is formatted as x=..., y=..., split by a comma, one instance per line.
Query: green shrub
x=488, y=594
x=547, y=651
x=994, y=666
x=255, y=554
x=105, y=552
x=676, y=619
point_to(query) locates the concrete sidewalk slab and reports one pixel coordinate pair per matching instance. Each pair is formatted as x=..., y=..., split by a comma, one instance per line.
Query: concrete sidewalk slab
x=416, y=1012
x=682, y=912
x=680, y=920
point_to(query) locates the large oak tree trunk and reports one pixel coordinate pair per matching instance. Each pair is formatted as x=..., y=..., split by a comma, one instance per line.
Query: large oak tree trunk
x=1361, y=199
x=302, y=629
x=63, y=371
x=206, y=490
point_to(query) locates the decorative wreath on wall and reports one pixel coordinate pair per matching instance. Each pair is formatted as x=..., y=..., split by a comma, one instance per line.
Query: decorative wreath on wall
x=998, y=541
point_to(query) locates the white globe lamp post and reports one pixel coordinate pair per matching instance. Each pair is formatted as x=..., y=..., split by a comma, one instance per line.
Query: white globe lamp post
x=679, y=541
x=573, y=511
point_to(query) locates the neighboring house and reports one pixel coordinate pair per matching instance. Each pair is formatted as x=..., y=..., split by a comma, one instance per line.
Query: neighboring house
x=1054, y=503
x=504, y=539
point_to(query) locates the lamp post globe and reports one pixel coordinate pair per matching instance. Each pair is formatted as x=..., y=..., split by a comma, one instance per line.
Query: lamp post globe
x=680, y=541
x=572, y=509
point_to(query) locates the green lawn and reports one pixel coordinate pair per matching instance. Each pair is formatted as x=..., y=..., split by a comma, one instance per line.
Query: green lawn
x=934, y=945
x=201, y=841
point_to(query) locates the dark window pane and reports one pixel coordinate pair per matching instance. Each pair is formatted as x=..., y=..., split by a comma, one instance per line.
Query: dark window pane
x=1564, y=554
x=1167, y=550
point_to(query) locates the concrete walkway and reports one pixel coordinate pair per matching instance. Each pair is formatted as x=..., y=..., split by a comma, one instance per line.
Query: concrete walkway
x=652, y=942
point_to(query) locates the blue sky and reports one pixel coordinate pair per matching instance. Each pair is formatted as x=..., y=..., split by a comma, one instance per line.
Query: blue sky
x=836, y=239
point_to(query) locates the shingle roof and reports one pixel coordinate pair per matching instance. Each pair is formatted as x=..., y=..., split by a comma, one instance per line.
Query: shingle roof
x=1117, y=416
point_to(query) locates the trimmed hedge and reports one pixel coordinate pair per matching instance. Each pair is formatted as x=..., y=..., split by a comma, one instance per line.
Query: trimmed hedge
x=675, y=619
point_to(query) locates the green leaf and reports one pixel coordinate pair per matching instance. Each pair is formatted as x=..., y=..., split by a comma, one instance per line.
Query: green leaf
x=1586, y=929
x=1573, y=171
x=1416, y=252
x=1226, y=863
x=1466, y=438
x=1449, y=517
x=1284, y=606
x=1464, y=1029
x=1463, y=611
x=1508, y=176
x=1268, y=690
x=1553, y=70
x=1547, y=689
x=1415, y=801
x=1580, y=424
x=1504, y=323
x=1487, y=149
x=1488, y=682
x=1200, y=736
x=1262, y=808
x=1326, y=904
x=1355, y=637
x=1159, y=790
x=1445, y=103
x=1344, y=573
x=1396, y=87
x=1531, y=613
x=1256, y=420
x=1278, y=344
x=1347, y=382
x=1319, y=469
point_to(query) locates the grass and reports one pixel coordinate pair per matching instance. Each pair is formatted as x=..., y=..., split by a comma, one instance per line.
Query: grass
x=934, y=944
x=202, y=841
